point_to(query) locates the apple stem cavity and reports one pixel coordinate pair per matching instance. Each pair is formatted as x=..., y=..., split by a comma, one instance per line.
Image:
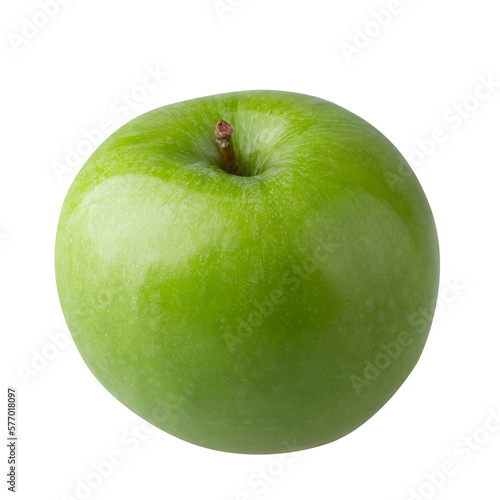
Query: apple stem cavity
x=223, y=133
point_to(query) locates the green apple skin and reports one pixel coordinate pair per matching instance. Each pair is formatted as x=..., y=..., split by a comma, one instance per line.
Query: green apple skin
x=268, y=312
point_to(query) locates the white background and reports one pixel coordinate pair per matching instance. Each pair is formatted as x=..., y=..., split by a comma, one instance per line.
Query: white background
x=413, y=75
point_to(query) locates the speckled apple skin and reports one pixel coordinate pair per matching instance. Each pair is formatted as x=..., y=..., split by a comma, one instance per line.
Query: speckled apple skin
x=243, y=313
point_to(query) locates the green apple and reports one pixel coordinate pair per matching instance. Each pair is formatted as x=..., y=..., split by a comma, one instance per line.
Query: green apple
x=264, y=288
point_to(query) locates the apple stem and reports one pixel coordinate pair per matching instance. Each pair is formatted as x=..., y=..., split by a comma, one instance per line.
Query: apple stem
x=223, y=133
